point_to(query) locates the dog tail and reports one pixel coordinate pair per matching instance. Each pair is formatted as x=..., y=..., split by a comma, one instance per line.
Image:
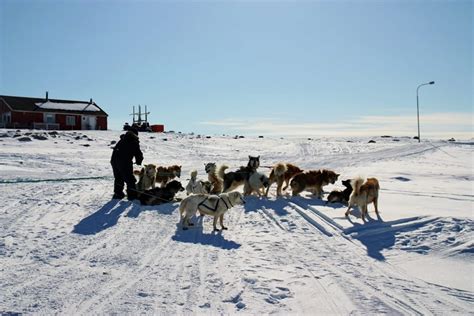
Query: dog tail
x=221, y=171
x=356, y=184
x=280, y=169
x=182, y=207
x=194, y=174
x=139, y=172
x=377, y=185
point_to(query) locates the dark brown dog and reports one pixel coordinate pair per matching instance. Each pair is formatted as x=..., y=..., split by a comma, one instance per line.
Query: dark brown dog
x=313, y=181
x=282, y=172
x=158, y=196
x=165, y=174
x=341, y=196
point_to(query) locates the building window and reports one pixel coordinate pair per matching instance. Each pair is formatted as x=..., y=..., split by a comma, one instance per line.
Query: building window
x=70, y=120
x=7, y=117
x=49, y=118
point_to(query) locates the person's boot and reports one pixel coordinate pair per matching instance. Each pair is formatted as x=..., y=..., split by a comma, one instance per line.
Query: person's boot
x=118, y=196
x=132, y=195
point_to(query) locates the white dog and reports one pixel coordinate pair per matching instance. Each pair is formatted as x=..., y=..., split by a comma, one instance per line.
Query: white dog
x=196, y=186
x=257, y=182
x=214, y=205
x=147, y=177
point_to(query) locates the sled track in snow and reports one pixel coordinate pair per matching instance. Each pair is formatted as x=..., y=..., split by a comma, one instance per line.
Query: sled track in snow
x=21, y=180
x=423, y=298
x=108, y=295
x=405, y=295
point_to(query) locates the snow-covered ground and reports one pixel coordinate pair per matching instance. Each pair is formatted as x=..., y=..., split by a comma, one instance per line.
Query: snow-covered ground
x=66, y=248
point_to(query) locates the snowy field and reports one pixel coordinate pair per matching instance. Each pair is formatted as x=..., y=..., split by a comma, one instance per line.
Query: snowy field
x=66, y=248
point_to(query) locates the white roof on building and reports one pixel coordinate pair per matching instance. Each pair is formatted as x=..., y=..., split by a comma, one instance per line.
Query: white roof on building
x=68, y=106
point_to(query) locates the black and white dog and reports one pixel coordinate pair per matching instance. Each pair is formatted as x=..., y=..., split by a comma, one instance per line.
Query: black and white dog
x=258, y=182
x=235, y=178
x=341, y=196
x=159, y=195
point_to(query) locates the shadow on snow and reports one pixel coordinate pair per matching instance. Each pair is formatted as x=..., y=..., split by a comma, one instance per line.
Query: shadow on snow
x=165, y=209
x=196, y=235
x=106, y=217
x=376, y=235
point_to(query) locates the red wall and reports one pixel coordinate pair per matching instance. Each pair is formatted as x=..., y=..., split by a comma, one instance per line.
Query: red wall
x=61, y=120
x=102, y=122
x=26, y=119
x=158, y=128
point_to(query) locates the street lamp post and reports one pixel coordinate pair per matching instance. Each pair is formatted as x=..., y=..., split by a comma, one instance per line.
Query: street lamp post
x=418, y=106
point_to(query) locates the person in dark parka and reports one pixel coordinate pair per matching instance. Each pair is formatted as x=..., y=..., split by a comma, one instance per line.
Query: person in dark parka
x=124, y=151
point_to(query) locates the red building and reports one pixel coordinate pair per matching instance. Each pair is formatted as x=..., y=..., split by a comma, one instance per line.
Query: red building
x=45, y=113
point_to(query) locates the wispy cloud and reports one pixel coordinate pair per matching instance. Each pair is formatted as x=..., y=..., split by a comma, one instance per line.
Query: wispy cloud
x=431, y=125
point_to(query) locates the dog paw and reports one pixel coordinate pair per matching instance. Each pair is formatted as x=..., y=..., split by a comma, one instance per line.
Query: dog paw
x=216, y=229
x=224, y=228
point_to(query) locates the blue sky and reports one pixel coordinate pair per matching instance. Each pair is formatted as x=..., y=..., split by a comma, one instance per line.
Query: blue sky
x=249, y=67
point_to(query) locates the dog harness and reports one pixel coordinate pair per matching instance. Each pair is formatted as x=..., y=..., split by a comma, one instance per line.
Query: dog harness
x=213, y=209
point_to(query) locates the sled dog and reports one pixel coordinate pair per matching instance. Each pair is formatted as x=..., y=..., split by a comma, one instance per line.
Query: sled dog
x=214, y=205
x=365, y=191
x=197, y=186
x=165, y=174
x=216, y=182
x=282, y=172
x=341, y=196
x=235, y=178
x=159, y=195
x=257, y=182
x=313, y=181
x=147, y=177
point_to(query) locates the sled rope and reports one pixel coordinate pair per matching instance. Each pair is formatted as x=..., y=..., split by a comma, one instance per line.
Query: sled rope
x=14, y=181
x=155, y=196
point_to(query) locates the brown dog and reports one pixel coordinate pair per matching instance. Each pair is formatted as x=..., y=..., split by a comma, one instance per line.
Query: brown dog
x=364, y=192
x=313, y=181
x=216, y=182
x=282, y=172
x=165, y=174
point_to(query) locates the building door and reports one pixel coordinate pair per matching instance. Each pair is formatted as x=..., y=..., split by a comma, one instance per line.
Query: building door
x=89, y=122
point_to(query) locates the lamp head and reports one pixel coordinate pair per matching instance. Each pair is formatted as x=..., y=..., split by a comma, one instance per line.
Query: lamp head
x=431, y=82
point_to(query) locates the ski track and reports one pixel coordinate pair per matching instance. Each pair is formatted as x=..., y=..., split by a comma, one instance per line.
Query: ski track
x=279, y=255
x=432, y=302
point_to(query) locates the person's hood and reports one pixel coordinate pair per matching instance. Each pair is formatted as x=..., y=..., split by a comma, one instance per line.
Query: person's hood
x=130, y=135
